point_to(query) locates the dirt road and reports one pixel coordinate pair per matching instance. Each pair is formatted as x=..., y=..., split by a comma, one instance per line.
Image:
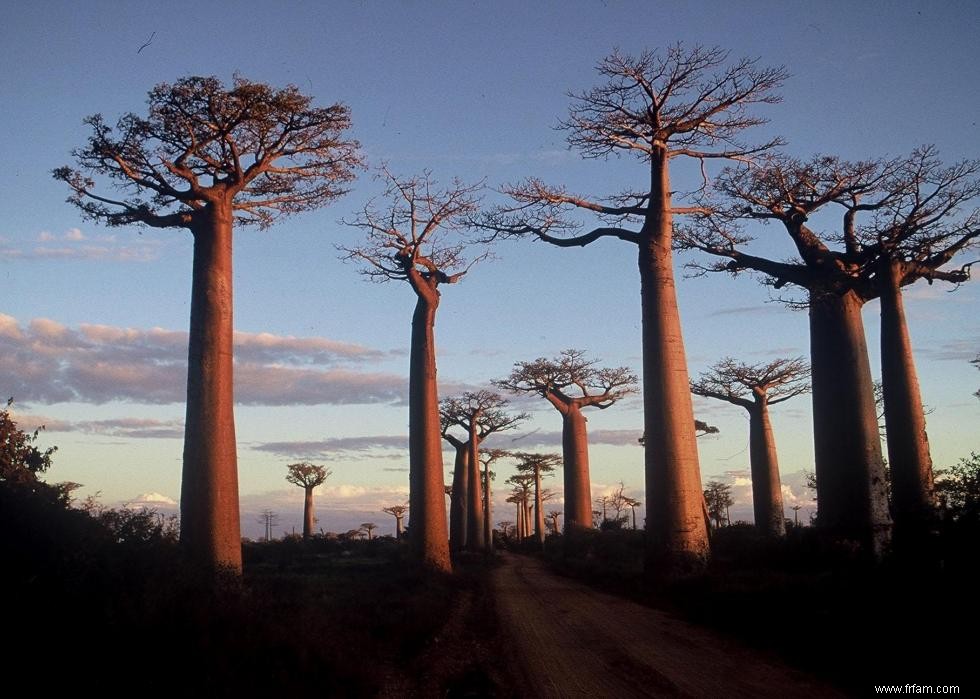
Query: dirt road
x=574, y=641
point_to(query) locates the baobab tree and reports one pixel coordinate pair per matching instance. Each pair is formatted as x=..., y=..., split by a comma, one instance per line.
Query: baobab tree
x=487, y=458
x=398, y=512
x=206, y=158
x=689, y=103
x=269, y=519
x=755, y=387
x=852, y=493
x=480, y=414
x=571, y=382
x=536, y=466
x=414, y=235
x=521, y=496
x=308, y=477
x=459, y=488
x=369, y=528
x=930, y=218
x=553, y=515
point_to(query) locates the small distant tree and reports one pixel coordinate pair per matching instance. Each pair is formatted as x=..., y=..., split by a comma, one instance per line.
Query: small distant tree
x=958, y=488
x=205, y=158
x=398, y=512
x=369, y=528
x=553, y=516
x=308, y=477
x=536, y=466
x=21, y=461
x=571, y=382
x=487, y=459
x=505, y=527
x=755, y=387
x=270, y=519
x=414, y=236
x=718, y=498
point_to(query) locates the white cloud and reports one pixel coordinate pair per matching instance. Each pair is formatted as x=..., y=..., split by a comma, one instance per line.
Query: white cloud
x=48, y=362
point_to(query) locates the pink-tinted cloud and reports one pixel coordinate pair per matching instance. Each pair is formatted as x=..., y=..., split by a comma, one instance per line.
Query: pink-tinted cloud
x=47, y=362
x=73, y=244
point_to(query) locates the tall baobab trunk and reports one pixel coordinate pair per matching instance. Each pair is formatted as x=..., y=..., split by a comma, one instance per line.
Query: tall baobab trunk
x=852, y=498
x=487, y=510
x=538, y=510
x=457, y=502
x=308, y=513
x=913, y=498
x=427, y=496
x=474, y=494
x=677, y=539
x=211, y=528
x=575, y=455
x=767, y=496
x=519, y=521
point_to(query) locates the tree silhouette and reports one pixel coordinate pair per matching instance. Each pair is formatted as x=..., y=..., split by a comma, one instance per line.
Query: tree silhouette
x=553, y=516
x=369, y=528
x=487, y=459
x=718, y=498
x=21, y=461
x=413, y=235
x=308, y=477
x=521, y=496
x=204, y=158
x=398, y=512
x=682, y=103
x=755, y=387
x=571, y=382
x=536, y=466
x=480, y=414
x=852, y=497
x=270, y=519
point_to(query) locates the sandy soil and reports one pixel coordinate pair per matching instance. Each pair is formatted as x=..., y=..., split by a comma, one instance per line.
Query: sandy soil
x=574, y=641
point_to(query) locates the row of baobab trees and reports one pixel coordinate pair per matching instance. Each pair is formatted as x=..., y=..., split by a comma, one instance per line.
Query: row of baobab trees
x=207, y=158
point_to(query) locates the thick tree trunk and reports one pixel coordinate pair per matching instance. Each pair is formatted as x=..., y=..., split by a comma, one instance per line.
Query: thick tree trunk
x=538, y=511
x=520, y=522
x=677, y=539
x=308, y=513
x=487, y=510
x=210, y=524
x=457, y=502
x=767, y=495
x=852, y=500
x=398, y=529
x=913, y=497
x=474, y=496
x=575, y=455
x=427, y=491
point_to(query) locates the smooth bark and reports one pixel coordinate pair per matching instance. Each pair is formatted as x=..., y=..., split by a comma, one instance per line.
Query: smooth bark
x=575, y=455
x=677, y=540
x=427, y=493
x=851, y=490
x=474, y=496
x=913, y=497
x=210, y=524
x=487, y=510
x=767, y=496
x=538, y=510
x=308, y=513
x=457, y=502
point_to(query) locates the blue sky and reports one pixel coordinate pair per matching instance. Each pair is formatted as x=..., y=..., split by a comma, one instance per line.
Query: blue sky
x=93, y=320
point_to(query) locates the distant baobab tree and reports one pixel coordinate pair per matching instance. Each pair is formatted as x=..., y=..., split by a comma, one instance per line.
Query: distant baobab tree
x=755, y=387
x=479, y=414
x=852, y=496
x=204, y=158
x=369, y=528
x=553, y=516
x=398, y=512
x=536, y=466
x=681, y=103
x=796, y=514
x=414, y=235
x=505, y=527
x=308, y=477
x=571, y=382
x=521, y=496
x=487, y=458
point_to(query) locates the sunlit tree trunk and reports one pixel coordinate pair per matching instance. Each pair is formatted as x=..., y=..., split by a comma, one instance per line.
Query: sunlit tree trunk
x=852, y=498
x=538, y=510
x=487, y=510
x=474, y=494
x=457, y=502
x=308, y=513
x=767, y=496
x=211, y=529
x=575, y=454
x=913, y=497
x=677, y=539
x=427, y=494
